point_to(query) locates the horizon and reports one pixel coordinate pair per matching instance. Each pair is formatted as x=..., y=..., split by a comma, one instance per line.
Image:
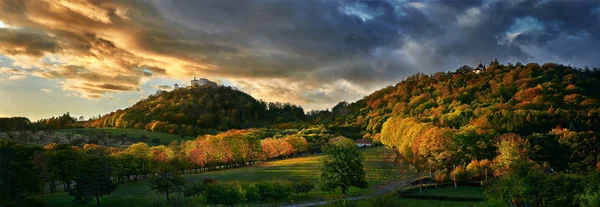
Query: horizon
x=91, y=58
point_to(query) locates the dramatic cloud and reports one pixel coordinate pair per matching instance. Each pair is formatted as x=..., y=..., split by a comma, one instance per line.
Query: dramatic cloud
x=161, y=87
x=17, y=77
x=313, y=53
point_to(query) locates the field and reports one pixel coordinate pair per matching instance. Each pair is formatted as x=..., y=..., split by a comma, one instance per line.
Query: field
x=378, y=163
x=461, y=191
x=165, y=138
x=449, y=191
x=405, y=202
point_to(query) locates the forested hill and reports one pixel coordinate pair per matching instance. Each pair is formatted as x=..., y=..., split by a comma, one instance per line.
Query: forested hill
x=199, y=110
x=510, y=98
x=549, y=114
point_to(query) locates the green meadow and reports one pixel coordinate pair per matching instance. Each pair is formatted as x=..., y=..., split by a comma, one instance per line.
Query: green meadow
x=165, y=138
x=378, y=163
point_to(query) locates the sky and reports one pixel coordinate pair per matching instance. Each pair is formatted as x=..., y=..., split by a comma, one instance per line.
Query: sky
x=94, y=57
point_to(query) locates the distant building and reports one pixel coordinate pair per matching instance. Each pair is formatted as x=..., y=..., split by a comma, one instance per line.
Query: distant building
x=202, y=82
x=197, y=83
x=479, y=68
x=360, y=143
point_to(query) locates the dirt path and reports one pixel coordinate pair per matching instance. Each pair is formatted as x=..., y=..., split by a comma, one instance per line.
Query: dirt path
x=404, y=170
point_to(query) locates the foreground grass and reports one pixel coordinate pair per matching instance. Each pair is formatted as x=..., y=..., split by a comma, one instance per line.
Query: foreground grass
x=449, y=191
x=461, y=191
x=165, y=138
x=378, y=163
x=405, y=202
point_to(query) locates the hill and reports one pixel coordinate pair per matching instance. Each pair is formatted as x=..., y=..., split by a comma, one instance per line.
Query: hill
x=199, y=110
x=450, y=118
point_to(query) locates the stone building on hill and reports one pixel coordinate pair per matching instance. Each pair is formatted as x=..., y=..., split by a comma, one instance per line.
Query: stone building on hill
x=197, y=83
x=202, y=82
x=479, y=68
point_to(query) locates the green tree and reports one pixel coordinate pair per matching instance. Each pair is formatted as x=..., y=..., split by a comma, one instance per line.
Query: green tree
x=155, y=141
x=304, y=186
x=252, y=194
x=266, y=191
x=343, y=167
x=18, y=179
x=166, y=180
x=228, y=194
x=93, y=179
x=62, y=162
x=194, y=189
x=591, y=195
x=282, y=189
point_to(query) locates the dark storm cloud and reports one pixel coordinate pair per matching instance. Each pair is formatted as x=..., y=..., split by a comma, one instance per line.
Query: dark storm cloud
x=313, y=53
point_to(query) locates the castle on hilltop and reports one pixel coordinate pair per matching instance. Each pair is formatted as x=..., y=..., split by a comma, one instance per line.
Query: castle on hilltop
x=197, y=83
x=479, y=68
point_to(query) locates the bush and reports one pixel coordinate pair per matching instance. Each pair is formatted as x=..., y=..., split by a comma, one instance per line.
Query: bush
x=282, y=188
x=194, y=189
x=252, y=194
x=266, y=191
x=380, y=201
x=224, y=193
x=343, y=203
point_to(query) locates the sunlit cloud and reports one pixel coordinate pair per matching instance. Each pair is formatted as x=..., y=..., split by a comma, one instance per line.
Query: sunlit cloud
x=45, y=90
x=17, y=77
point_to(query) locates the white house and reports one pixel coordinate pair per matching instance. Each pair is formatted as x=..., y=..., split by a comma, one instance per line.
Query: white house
x=197, y=83
x=479, y=68
x=202, y=82
x=360, y=143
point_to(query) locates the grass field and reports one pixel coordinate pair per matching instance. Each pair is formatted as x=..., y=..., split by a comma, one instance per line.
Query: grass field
x=165, y=138
x=449, y=191
x=378, y=166
x=461, y=191
x=405, y=202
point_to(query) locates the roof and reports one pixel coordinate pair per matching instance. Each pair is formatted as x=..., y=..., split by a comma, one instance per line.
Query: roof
x=363, y=141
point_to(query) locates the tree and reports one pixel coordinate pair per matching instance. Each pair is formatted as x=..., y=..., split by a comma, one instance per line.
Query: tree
x=343, y=167
x=252, y=193
x=282, y=189
x=18, y=178
x=62, y=162
x=304, y=186
x=166, y=180
x=93, y=179
x=266, y=191
x=224, y=193
x=155, y=141
x=193, y=189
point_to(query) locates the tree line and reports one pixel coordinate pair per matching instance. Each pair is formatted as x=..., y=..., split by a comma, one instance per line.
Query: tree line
x=87, y=173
